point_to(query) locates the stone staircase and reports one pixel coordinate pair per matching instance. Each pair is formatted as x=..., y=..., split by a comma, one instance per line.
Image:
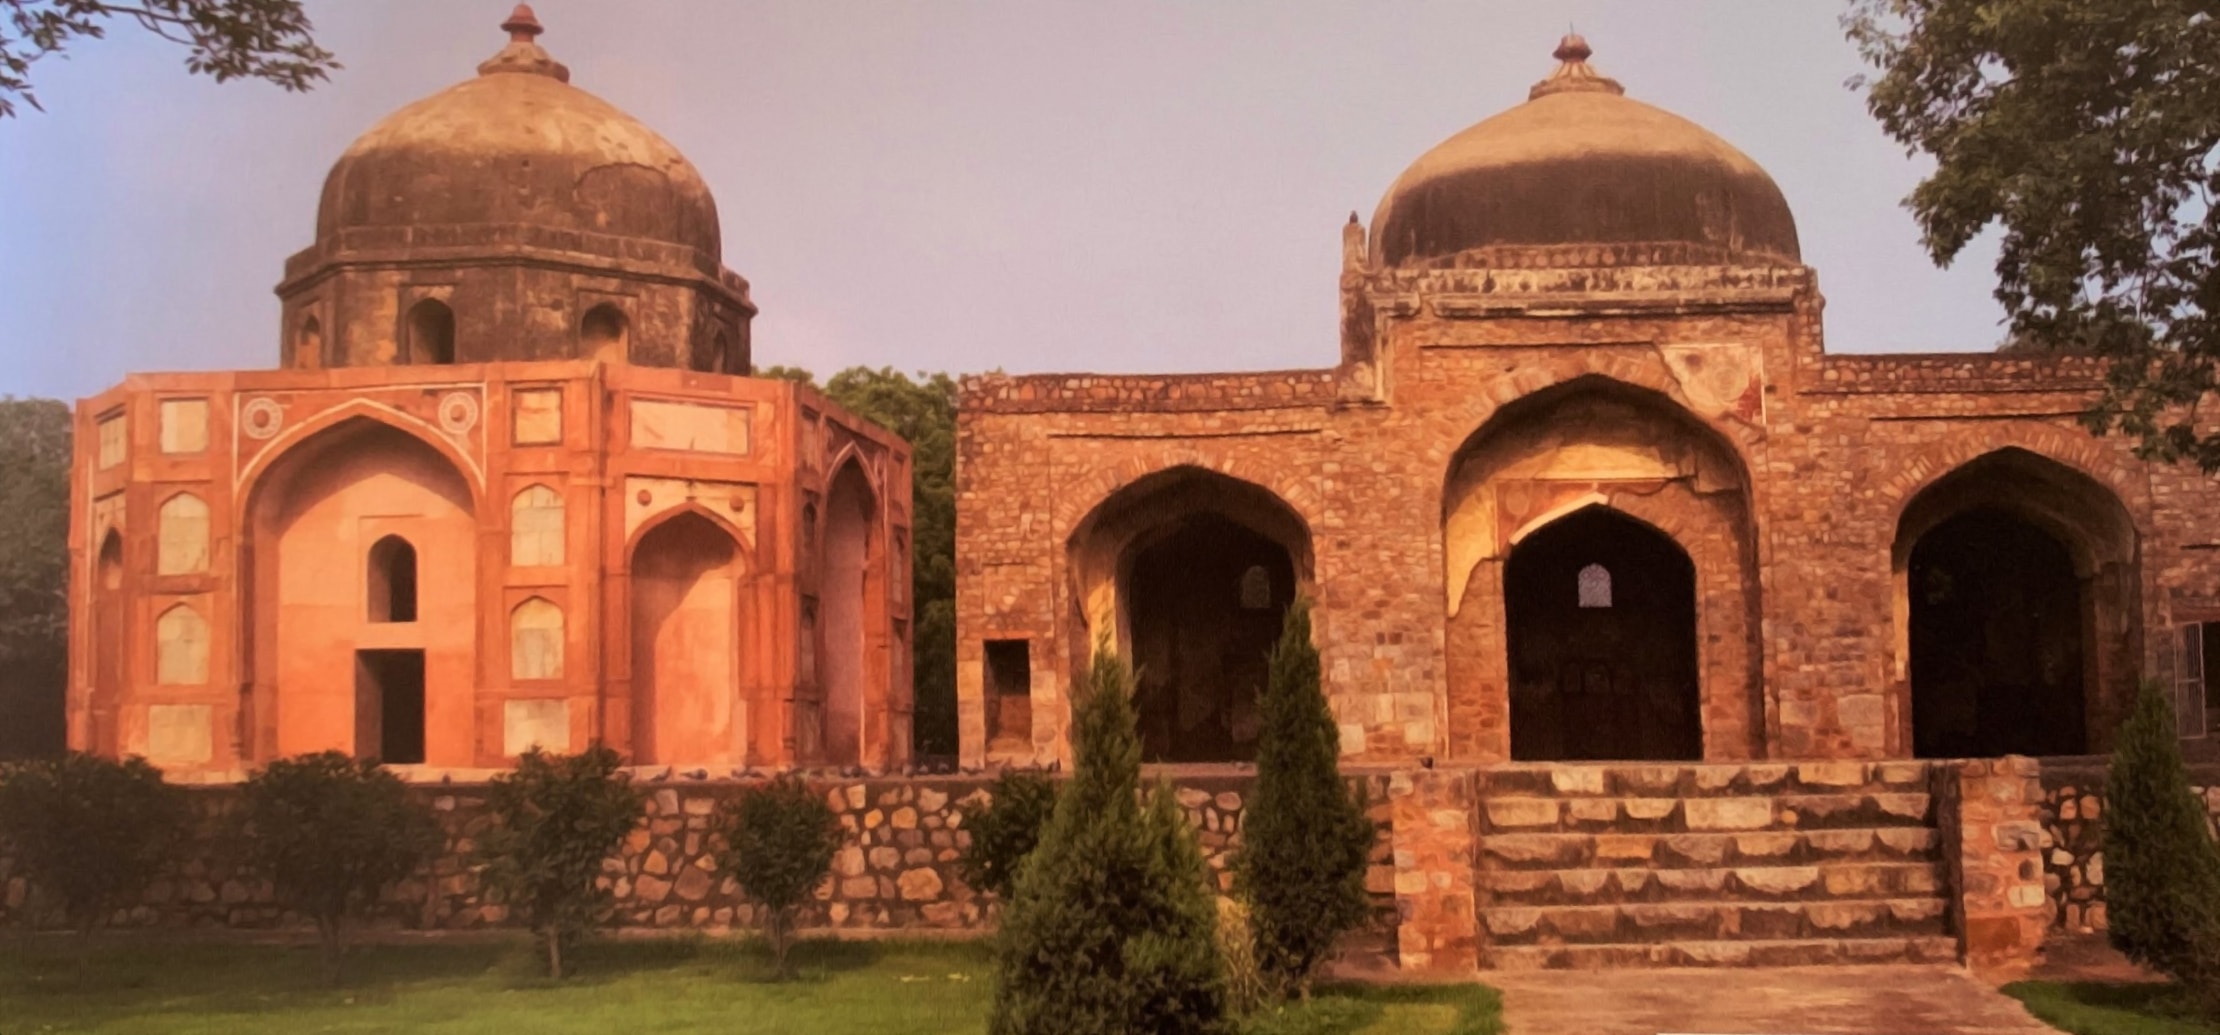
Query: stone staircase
x=1617, y=865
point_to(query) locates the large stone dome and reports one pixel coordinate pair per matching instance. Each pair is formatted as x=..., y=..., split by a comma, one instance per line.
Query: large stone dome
x=1580, y=164
x=520, y=145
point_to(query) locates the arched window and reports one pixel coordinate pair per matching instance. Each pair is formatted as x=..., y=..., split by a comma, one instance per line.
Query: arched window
x=604, y=332
x=181, y=647
x=182, y=524
x=1595, y=586
x=431, y=332
x=308, y=345
x=536, y=527
x=536, y=640
x=392, y=580
x=1256, y=588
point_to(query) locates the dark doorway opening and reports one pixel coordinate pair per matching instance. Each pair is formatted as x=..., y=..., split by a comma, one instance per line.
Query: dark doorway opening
x=389, y=706
x=1997, y=665
x=1601, y=619
x=1205, y=603
x=1009, y=695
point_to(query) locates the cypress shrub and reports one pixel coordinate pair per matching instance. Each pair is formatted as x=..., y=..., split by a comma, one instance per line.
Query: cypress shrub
x=1005, y=829
x=1110, y=929
x=782, y=840
x=2162, y=870
x=1305, y=841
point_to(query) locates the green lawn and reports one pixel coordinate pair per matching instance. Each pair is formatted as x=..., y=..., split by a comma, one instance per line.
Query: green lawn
x=2092, y=1008
x=222, y=988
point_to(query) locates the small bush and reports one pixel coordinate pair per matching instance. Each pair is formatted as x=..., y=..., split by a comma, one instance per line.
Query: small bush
x=1111, y=927
x=1305, y=841
x=90, y=832
x=782, y=838
x=1005, y=829
x=2162, y=871
x=1246, y=988
x=554, y=820
x=332, y=833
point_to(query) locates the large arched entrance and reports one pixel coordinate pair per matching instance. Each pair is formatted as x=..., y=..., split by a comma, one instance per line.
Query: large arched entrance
x=844, y=667
x=2016, y=608
x=685, y=649
x=1601, y=613
x=338, y=659
x=1191, y=573
x=1602, y=485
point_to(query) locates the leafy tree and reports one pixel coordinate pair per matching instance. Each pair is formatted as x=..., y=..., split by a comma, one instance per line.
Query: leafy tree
x=1305, y=840
x=1005, y=829
x=2162, y=870
x=554, y=820
x=2084, y=129
x=332, y=833
x=34, y=575
x=923, y=412
x=1110, y=929
x=782, y=839
x=227, y=39
x=92, y=832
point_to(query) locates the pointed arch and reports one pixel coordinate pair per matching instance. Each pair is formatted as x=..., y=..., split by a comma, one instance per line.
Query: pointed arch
x=686, y=620
x=536, y=640
x=391, y=580
x=536, y=527
x=181, y=535
x=301, y=442
x=849, y=638
x=181, y=647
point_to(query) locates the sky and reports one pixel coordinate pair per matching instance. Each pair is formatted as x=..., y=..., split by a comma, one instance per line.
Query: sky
x=959, y=185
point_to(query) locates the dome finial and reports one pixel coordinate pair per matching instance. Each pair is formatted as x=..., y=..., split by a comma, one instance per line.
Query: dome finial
x=1573, y=73
x=524, y=54
x=522, y=25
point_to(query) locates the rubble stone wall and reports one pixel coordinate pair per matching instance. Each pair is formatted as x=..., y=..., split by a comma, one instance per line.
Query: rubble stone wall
x=2072, y=810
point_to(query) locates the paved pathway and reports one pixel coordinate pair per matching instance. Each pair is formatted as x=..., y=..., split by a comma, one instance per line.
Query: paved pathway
x=1875, y=1000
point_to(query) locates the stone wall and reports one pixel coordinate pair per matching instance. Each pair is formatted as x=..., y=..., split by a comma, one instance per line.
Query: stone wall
x=2072, y=811
x=896, y=869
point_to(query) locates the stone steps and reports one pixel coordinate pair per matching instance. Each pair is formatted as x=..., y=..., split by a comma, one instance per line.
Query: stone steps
x=1830, y=880
x=1652, y=922
x=1571, y=851
x=1694, y=780
x=1750, y=953
x=1518, y=813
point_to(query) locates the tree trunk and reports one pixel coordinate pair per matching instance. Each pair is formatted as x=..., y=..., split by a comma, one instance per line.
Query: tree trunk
x=86, y=925
x=327, y=936
x=554, y=954
x=778, y=942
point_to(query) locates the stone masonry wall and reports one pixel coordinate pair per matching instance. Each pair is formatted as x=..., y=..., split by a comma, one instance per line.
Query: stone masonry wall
x=2073, y=807
x=896, y=870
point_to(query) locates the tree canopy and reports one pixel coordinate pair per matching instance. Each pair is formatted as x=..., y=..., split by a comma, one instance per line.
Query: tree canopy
x=34, y=567
x=227, y=39
x=2088, y=132
x=923, y=412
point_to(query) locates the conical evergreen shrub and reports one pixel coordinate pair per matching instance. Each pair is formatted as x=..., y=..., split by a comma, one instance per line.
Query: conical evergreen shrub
x=2162, y=870
x=1110, y=927
x=1305, y=839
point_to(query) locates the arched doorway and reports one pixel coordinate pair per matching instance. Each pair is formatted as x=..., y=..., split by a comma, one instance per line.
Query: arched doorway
x=685, y=643
x=1996, y=653
x=851, y=513
x=2018, y=610
x=1190, y=573
x=1205, y=601
x=1601, y=614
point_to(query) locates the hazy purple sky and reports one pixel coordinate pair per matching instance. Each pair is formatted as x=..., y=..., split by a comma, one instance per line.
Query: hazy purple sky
x=946, y=185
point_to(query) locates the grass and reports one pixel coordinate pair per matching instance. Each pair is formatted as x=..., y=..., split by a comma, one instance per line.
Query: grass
x=2094, y=1008
x=142, y=987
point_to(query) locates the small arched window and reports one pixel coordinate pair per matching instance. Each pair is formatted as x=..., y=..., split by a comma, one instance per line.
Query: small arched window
x=536, y=640
x=181, y=647
x=308, y=345
x=392, y=580
x=536, y=528
x=1595, y=586
x=182, y=525
x=431, y=332
x=605, y=332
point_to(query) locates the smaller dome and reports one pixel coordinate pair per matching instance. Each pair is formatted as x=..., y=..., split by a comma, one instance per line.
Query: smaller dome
x=1581, y=164
x=519, y=144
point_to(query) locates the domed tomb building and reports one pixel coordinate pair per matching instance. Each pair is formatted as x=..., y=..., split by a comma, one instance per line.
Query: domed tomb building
x=511, y=484
x=1584, y=485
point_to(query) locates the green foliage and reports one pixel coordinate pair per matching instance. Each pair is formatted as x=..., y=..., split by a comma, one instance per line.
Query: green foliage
x=923, y=412
x=1305, y=839
x=2162, y=870
x=92, y=832
x=2110, y=1008
x=554, y=820
x=2084, y=129
x=1111, y=928
x=225, y=39
x=34, y=575
x=1005, y=829
x=782, y=838
x=332, y=833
